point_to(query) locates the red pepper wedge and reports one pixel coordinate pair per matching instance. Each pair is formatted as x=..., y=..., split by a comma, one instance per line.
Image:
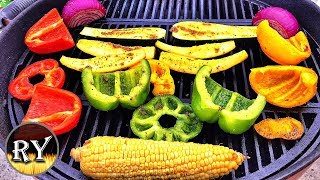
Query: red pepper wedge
x=54, y=76
x=49, y=34
x=58, y=109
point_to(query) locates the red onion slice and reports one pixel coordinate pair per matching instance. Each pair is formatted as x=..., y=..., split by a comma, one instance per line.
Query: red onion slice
x=279, y=19
x=81, y=12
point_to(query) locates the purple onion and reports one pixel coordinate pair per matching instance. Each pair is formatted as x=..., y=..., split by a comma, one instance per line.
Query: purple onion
x=81, y=12
x=279, y=19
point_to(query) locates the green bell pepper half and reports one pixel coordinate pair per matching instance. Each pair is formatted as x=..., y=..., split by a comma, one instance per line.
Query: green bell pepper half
x=105, y=91
x=211, y=103
x=145, y=120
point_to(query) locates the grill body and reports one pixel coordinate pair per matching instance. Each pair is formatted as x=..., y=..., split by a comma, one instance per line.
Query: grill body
x=269, y=158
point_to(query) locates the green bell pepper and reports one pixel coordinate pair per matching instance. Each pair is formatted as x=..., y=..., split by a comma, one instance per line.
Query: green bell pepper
x=105, y=91
x=211, y=103
x=145, y=120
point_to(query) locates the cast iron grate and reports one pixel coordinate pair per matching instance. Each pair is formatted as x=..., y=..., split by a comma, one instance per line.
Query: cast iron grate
x=268, y=157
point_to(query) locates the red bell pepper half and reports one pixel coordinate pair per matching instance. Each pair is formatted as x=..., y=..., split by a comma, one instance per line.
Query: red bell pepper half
x=49, y=34
x=58, y=109
x=54, y=76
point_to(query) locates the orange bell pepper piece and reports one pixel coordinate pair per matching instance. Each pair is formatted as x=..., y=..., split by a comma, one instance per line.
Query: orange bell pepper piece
x=283, y=51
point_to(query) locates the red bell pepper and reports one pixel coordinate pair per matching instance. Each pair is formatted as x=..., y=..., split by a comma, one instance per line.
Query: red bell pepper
x=54, y=76
x=58, y=109
x=49, y=34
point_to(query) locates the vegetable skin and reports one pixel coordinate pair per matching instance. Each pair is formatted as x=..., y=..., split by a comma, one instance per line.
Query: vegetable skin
x=195, y=31
x=191, y=66
x=286, y=128
x=204, y=51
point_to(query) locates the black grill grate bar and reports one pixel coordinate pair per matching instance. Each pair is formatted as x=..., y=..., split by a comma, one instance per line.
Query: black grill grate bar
x=210, y=9
x=147, y=8
x=185, y=8
x=96, y=122
x=78, y=143
x=234, y=79
x=244, y=151
x=154, y=9
x=226, y=8
x=123, y=8
x=115, y=9
x=218, y=9
x=178, y=9
x=109, y=5
x=302, y=120
x=202, y=9
x=139, y=9
x=245, y=80
x=171, y=5
x=162, y=9
x=194, y=9
x=106, y=129
x=251, y=10
x=180, y=87
x=233, y=173
x=130, y=9
x=120, y=121
x=242, y=9
x=234, y=10
x=64, y=145
x=256, y=144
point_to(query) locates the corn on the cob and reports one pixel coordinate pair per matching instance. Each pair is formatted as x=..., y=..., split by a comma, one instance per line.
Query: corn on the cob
x=124, y=158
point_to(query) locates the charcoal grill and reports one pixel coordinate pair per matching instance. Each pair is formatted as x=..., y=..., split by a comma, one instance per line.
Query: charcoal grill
x=269, y=158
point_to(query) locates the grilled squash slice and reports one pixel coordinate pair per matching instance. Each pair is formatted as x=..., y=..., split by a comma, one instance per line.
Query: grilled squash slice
x=144, y=33
x=194, y=30
x=205, y=51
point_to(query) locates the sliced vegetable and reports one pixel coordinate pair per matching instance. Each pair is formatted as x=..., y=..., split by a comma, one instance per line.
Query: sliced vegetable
x=100, y=48
x=284, y=86
x=283, y=51
x=163, y=83
x=286, y=128
x=49, y=35
x=110, y=63
x=82, y=12
x=211, y=103
x=56, y=108
x=202, y=51
x=279, y=19
x=54, y=76
x=147, y=159
x=146, y=125
x=143, y=33
x=191, y=66
x=195, y=30
x=105, y=91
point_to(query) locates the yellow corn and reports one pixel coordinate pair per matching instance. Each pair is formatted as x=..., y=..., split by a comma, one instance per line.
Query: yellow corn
x=125, y=158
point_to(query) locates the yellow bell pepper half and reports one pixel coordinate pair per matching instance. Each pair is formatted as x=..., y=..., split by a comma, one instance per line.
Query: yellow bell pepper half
x=283, y=51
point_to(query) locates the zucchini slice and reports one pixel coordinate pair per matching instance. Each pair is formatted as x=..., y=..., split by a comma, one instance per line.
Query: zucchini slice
x=143, y=33
x=195, y=30
x=100, y=48
x=205, y=51
x=110, y=63
x=191, y=66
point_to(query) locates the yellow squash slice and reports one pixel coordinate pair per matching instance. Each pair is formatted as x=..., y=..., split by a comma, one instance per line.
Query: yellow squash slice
x=205, y=51
x=191, y=66
x=195, y=30
x=100, y=48
x=143, y=33
x=110, y=63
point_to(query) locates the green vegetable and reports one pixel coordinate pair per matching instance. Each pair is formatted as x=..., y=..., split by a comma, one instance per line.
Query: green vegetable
x=105, y=91
x=211, y=103
x=4, y=3
x=145, y=120
x=143, y=33
x=109, y=63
